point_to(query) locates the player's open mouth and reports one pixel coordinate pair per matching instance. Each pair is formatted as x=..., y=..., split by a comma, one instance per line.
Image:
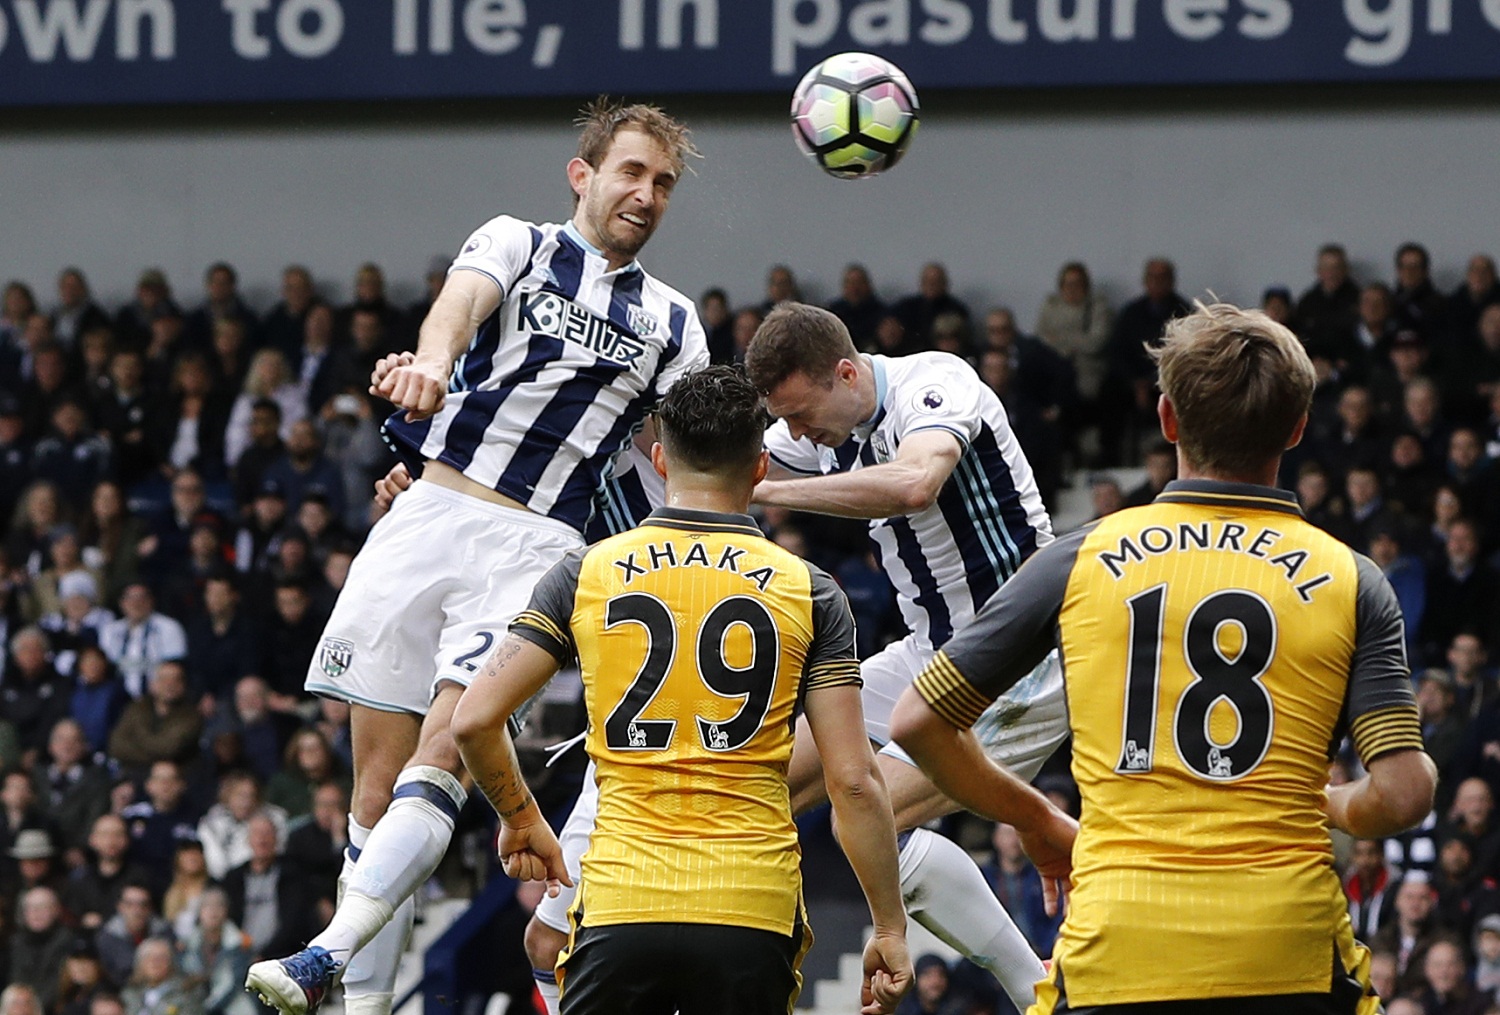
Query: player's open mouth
x=634, y=220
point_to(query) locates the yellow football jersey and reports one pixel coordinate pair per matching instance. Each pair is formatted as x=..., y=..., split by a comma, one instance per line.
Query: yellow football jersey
x=697, y=638
x=1215, y=647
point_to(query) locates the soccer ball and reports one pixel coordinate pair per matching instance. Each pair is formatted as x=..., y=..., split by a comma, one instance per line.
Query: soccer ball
x=854, y=115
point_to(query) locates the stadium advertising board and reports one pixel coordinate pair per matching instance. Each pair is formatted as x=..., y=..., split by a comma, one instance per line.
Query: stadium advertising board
x=56, y=52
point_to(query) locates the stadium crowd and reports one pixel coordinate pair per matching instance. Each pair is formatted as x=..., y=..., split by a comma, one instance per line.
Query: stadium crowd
x=182, y=492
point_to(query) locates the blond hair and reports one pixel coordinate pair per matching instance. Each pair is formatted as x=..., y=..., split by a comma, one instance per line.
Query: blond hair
x=603, y=118
x=1240, y=384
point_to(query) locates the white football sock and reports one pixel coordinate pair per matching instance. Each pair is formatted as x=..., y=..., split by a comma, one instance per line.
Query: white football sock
x=947, y=894
x=546, y=986
x=405, y=847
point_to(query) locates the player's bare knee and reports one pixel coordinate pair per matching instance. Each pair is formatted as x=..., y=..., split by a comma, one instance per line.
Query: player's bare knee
x=543, y=943
x=369, y=801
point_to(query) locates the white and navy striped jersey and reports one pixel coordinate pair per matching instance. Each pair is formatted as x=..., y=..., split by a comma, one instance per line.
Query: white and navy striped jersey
x=558, y=379
x=947, y=560
x=632, y=490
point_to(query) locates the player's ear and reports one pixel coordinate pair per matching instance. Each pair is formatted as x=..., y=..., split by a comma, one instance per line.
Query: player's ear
x=579, y=175
x=659, y=459
x=1167, y=413
x=1297, y=432
x=762, y=466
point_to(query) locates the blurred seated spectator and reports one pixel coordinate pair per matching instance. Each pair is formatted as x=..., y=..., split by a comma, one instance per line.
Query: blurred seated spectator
x=161, y=725
x=1039, y=437
x=1018, y=886
x=315, y=847
x=1457, y=881
x=72, y=454
x=1442, y=729
x=225, y=829
x=40, y=945
x=1075, y=321
x=747, y=321
x=1487, y=954
x=264, y=447
x=1328, y=309
x=156, y=986
x=182, y=585
x=1474, y=682
x=718, y=325
x=94, y=888
x=265, y=896
x=161, y=822
x=189, y=429
x=283, y=326
x=216, y=956
x=1418, y=303
x=370, y=298
x=872, y=599
x=1422, y=414
x=76, y=311
x=111, y=538
x=932, y=992
x=153, y=299
x=1370, y=887
x=99, y=696
x=269, y=377
x=290, y=563
x=1445, y=988
x=141, y=639
x=1364, y=508
x=37, y=864
x=221, y=301
x=75, y=626
x=1161, y=469
x=134, y=920
x=1415, y=903
x=33, y=697
x=1406, y=573
x=126, y=413
x=858, y=306
x=1404, y=363
x=1355, y=438
x=781, y=286
x=333, y=723
x=223, y=642
x=351, y=439
x=189, y=880
x=261, y=720
x=292, y=635
x=19, y=999
x=82, y=977
x=1447, y=507
x=15, y=456
x=1479, y=289
x=64, y=558
x=41, y=509
x=19, y=811
x=1128, y=393
x=71, y=787
x=1105, y=495
x=932, y=299
x=1462, y=591
x=50, y=386
x=169, y=542
x=257, y=536
x=1409, y=478
x=308, y=763
x=304, y=467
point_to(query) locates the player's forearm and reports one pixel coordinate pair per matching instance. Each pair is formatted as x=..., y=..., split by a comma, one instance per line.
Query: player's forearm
x=867, y=832
x=958, y=766
x=447, y=330
x=880, y=491
x=490, y=757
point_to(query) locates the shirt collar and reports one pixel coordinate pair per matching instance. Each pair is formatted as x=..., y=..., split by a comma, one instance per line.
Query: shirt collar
x=571, y=231
x=877, y=365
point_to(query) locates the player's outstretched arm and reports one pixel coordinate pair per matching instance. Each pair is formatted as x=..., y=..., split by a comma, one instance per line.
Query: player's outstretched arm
x=867, y=832
x=420, y=386
x=905, y=485
x=1394, y=794
x=958, y=766
x=514, y=672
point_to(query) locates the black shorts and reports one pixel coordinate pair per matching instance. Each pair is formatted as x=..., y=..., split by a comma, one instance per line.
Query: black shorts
x=1343, y=998
x=691, y=968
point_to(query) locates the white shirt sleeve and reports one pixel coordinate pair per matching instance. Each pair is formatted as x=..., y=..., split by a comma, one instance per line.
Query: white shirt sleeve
x=943, y=394
x=799, y=456
x=500, y=249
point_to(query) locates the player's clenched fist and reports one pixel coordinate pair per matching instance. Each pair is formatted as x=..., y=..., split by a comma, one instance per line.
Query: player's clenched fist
x=416, y=385
x=531, y=853
x=888, y=974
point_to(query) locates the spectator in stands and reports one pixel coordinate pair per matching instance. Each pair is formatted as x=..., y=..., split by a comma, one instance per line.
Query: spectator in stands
x=369, y=297
x=781, y=285
x=50, y=385
x=19, y=812
x=36, y=864
x=141, y=639
x=216, y=955
x=33, y=697
x=858, y=306
x=225, y=829
x=161, y=822
x=284, y=325
x=223, y=642
x=99, y=696
x=1365, y=508
x=1415, y=902
x=1370, y=887
x=369, y=340
x=1403, y=363
x=1406, y=573
x=1462, y=591
x=1105, y=495
x=76, y=311
x=1473, y=383
x=265, y=897
x=291, y=639
x=1418, y=303
x=1328, y=310
x=1128, y=394
x=1076, y=322
x=932, y=992
x=19, y=999
x=134, y=920
x=221, y=302
x=82, y=977
x=1445, y=985
x=1410, y=476
x=1487, y=954
x=1357, y=438
x=1468, y=469
x=333, y=723
x=40, y=945
x=1472, y=814
x=265, y=447
x=94, y=888
x=308, y=763
x=1018, y=886
x=318, y=364
x=746, y=321
x=183, y=583
x=266, y=518
x=17, y=306
x=718, y=325
x=315, y=849
x=267, y=378
x=111, y=538
x=351, y=436
x=163, y=351
x=190, y=429
x=932, y=299
x=1038, y=433
x=1161, y=469
x=40, y=511
x=67, y=570
x=153, y=299
x=15, y=455
x=71, y=455
x=168, y=544
x=1442, y=729
x=161, y=725
x=93, y=355
x=71, y=787
x=184, y=894
x=1480, y=289
x=229, y=362
x=156, y=986
x=304, y=467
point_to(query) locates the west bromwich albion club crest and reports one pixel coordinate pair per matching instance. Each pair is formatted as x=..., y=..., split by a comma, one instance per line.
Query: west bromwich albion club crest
x=642, y=322
x=334, y=656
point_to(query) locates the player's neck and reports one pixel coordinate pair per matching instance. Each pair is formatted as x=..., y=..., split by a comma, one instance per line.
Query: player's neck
x=1265, y=476
x=705, y=497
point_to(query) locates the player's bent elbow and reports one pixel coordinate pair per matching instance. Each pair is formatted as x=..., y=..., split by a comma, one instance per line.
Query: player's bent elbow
x=1408, y=788
x=911, y=723
x=469, y=726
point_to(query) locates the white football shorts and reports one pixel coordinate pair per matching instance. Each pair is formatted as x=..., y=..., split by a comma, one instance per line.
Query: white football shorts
x=431, y=593
x=574, y=839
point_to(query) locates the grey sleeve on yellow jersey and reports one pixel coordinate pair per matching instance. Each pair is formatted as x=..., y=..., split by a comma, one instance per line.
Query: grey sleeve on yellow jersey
x=1380, y=707
x=547, y=619
x=831, y=658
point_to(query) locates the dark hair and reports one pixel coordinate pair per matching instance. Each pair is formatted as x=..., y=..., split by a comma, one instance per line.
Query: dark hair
x=223, y=266
x=797, y=338
x=1412, y=247
x=268, y=405
x=713, y=420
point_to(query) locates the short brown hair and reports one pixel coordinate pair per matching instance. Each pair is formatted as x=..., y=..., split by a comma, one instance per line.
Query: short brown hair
x=603, y=118
x=1239, y=382
x=797, y=338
